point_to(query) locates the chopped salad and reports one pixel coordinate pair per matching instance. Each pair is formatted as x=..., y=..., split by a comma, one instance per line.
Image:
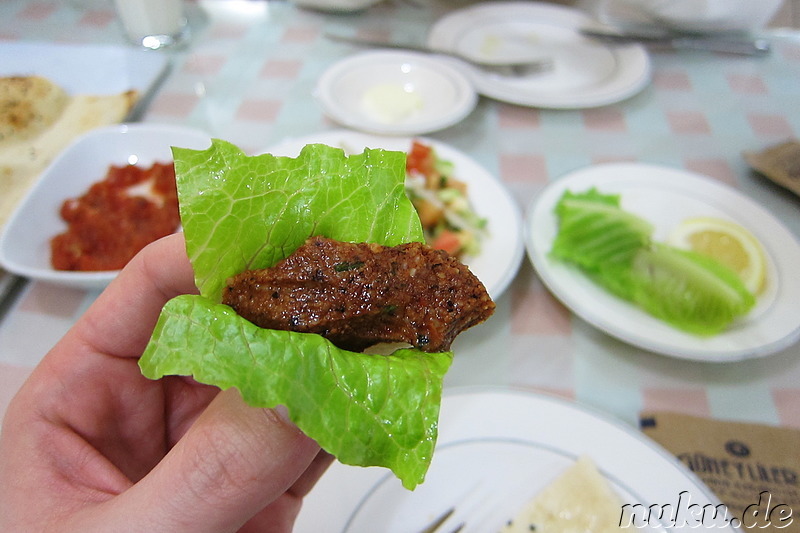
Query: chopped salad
x=447, y=217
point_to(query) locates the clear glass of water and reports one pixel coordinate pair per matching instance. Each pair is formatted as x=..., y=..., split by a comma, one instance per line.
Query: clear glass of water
x=153, y=24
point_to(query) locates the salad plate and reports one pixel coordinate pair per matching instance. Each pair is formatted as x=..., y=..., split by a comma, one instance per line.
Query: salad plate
x=501, y=247
x=585, y=73
x=665, y=197
x=496, y=450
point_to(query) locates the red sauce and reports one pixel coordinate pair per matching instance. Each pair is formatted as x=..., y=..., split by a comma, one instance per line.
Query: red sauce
x=117, y=217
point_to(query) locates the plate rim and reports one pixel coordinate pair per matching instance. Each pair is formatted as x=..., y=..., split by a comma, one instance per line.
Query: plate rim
x=539, y=210
x=462, y=108
x=517, y=254
x=635, y=55
x=453, y=400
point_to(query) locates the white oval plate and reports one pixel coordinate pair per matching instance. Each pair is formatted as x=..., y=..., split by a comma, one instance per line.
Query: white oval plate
x=502, y=249
x=25, y=243
x=586, y=73
x=435, y=95
x=496, y=450
x=336, y=6
x=666, y=196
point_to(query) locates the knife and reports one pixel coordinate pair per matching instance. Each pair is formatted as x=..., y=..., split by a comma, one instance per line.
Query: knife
x=716, y=43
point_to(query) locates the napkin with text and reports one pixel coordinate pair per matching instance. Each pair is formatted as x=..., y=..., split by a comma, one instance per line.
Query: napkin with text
x=753, y=469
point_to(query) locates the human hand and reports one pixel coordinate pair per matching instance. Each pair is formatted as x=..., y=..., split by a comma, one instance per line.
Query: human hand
x=89, y=444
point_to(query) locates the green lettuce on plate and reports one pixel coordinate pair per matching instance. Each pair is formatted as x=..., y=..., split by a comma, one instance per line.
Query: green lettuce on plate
x=244, y=212
x=615, y=249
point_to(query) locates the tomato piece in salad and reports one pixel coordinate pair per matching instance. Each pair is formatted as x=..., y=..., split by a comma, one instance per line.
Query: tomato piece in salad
x=448, y=241
x=421, y=159
x=447, y=217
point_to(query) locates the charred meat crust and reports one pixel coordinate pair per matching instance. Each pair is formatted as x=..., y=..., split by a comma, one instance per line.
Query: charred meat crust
x=360, y=294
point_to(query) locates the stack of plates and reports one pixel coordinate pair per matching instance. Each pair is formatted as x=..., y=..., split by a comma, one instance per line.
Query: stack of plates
x=409, y=93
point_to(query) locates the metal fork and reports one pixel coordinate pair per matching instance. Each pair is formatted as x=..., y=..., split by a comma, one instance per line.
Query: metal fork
x=434, y=526
x=514, y=68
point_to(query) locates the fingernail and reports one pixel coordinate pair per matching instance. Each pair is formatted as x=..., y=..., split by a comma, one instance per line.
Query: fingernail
x=283, y=412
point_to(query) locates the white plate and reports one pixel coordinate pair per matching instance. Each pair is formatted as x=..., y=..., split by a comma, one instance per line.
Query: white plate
x=501, y=250
x=687, y=16
x=586, y=73
x=25, y=242
x=665, y=197
x=84, y=69
x=336, y=6
x=395, y=93
x=496, y=450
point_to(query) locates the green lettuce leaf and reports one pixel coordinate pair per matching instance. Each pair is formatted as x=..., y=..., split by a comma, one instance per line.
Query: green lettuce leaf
x=614, y=248
x=594, y=231
x=240, y=212
x=366, y=409
x=690, y=291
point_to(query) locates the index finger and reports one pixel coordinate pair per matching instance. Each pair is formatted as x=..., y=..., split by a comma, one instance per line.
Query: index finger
x=122, y=319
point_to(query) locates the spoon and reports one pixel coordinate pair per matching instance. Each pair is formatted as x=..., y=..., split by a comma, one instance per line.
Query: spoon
x=515, y=68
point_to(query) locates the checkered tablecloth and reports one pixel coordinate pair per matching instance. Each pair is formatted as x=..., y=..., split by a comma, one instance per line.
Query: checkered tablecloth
x=249, y=76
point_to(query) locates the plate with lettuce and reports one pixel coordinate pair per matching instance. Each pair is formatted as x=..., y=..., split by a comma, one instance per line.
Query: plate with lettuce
x=598, y=239
x=501, y=247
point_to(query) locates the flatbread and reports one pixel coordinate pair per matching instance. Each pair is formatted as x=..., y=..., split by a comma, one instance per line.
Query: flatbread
x=29, y=105
x=580, y=500
x=24, y=157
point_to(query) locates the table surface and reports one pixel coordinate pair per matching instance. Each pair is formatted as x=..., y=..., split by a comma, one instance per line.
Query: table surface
x=248, y=77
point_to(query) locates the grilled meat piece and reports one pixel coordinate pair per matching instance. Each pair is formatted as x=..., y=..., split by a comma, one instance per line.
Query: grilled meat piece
x=360, y=294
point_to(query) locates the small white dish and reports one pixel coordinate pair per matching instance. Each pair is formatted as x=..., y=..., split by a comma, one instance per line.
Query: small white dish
x=25, y=242
x=585, y=73
x=665, y=196
x=395, y=93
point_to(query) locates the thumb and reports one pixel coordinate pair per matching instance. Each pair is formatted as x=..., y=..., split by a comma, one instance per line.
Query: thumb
x=233, y=461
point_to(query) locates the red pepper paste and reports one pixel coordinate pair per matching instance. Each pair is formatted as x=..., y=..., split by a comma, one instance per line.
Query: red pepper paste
x=118, y=216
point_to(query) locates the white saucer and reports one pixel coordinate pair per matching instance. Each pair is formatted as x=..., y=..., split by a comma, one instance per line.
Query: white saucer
x=395, y=93
x=586, y=73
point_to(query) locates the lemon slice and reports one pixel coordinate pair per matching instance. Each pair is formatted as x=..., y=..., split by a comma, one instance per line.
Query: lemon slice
x=727, y=242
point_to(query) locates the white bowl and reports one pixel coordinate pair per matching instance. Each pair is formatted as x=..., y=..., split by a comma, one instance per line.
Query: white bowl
x=25, y=243
x=395, y=93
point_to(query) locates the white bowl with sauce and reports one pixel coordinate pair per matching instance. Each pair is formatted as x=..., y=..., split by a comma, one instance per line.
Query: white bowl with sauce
x=25, y=242
x=389, y=92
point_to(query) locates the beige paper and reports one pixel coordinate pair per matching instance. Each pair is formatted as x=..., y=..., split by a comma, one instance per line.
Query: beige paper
x=753, y=469
x=779, y=163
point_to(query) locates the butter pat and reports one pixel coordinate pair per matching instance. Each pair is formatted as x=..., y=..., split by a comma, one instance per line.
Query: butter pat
x=391, y=103
x=580, y=500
